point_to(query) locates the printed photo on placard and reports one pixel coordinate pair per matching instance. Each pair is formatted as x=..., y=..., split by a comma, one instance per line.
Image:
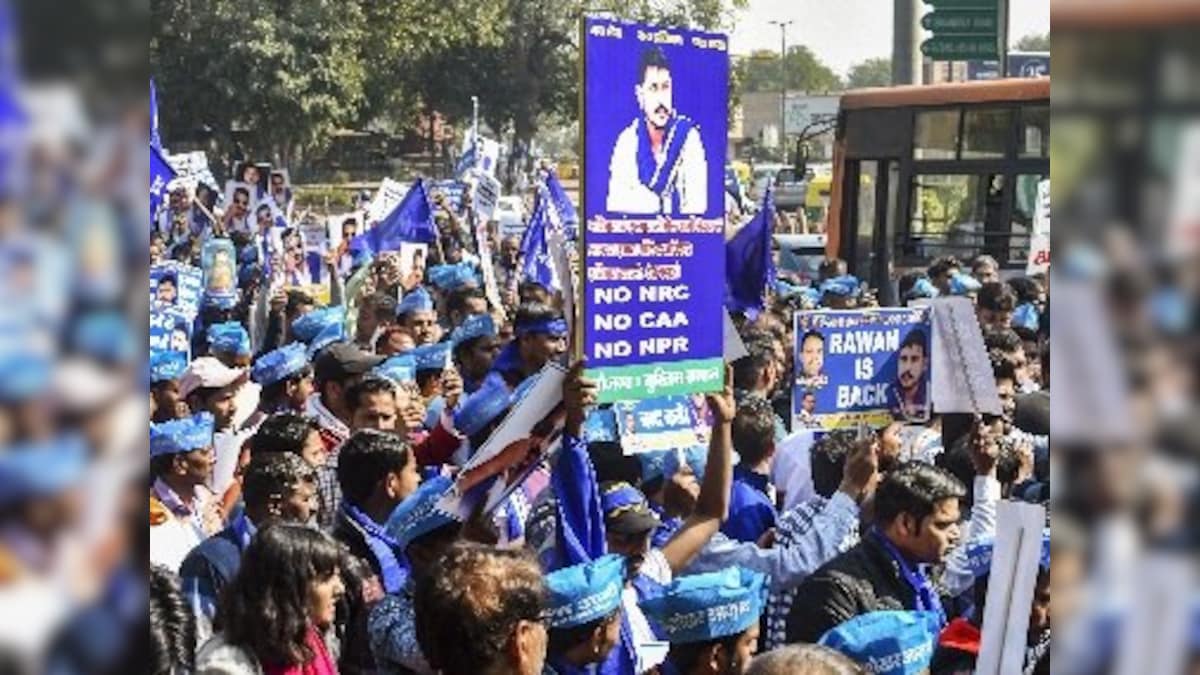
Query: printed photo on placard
x=257, y=174
x=412, y=264
x=240, y=200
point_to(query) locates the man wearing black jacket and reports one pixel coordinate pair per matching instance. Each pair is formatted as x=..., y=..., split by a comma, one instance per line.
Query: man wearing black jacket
x=916, y=523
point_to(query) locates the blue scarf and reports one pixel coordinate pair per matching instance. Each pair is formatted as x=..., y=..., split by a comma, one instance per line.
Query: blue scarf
x=658, y=179
x=392, y=565
x=926, y=595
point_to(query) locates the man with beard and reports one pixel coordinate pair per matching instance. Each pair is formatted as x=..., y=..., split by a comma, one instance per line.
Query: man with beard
x=909, y=398
x=658, y=164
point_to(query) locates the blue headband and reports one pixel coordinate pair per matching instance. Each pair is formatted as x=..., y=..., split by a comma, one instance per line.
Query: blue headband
x=554, y=327
x=280, y=364
x=844, y=286
x=619, y=497
x=431, y=357
x=923, y=288
x=181, y=435
x=417, y=300
x=228, y=337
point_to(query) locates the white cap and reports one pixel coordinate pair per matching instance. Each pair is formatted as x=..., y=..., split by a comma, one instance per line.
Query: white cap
x=207, y=372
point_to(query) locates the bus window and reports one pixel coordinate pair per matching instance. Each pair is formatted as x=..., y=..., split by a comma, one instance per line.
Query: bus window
x=1022, y=215
x=936, y=135
x=986, y=132
x=1035, y=132
x=865, y=227
x=953, y=215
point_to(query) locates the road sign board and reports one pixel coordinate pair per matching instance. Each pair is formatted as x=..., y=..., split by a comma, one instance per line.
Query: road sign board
x=956, y=48
x=962, y=21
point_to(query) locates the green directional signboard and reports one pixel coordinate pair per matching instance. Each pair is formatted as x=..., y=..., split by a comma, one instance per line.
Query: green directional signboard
x=963, y=30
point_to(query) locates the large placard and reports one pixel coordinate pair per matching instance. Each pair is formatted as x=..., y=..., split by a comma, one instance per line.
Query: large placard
x=867, y=366
x=654, y=122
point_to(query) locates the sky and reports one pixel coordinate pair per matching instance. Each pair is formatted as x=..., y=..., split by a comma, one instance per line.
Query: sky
x=845, y=32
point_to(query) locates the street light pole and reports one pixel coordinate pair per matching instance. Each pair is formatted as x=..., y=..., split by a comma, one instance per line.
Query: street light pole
x=783, y=84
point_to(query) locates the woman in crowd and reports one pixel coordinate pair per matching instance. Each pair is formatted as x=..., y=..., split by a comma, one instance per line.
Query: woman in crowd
x=273, y=615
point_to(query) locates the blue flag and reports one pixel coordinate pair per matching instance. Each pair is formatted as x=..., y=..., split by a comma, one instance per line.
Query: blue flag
x=749, y=266
x=155, y=139
x=564, y=211
x=468, y=159
x=535, y=252
x=161, y=173
x=411, y=221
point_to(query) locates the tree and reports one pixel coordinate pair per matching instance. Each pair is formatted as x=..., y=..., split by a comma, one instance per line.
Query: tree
x=291, y=72
x=870, y=73
x=803, y=71
x=1033, y=43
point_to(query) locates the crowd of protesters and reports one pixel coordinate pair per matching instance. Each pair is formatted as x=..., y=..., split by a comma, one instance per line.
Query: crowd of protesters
x=300, y=453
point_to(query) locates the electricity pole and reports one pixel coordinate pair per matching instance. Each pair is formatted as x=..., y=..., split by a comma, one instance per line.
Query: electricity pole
x=783, y=84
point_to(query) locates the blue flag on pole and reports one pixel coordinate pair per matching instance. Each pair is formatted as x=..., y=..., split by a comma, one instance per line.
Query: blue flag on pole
x=749, y=265
x=564, y=210
x=161, y=173
x=535, y=252
x=155, y=139
x=469, y=157
x=411, y=221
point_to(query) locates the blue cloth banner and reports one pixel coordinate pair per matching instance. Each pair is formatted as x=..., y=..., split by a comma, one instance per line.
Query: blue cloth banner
x=867, y=366
x=535, y=251
x=410, y=221
x=749, y=265
x=564, y=214
x=655, y=115
x=161, y=173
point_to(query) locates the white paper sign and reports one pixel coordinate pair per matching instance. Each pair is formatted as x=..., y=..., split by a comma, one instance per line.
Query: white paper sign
x=387, y=197
x=192, y=167
x=484, y=195
x=1011, y=584
x=734, y=347
x=1039, y=240
x=962, y=374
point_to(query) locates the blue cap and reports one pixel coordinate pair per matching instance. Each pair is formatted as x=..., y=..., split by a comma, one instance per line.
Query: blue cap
x=279, y=364
x=398, y=369
x=923, y=288
x=105, y=336
x=843, y=287
x=452, y=277
x=23, y=375
x=230, y=337
x=888, y=642
x=331, y=333
x=41, y=468
x=417, y=300
x=307, y=327
x=431, y=357
x=182, y=435
x=479, y=409
x=1026, y=316
x=704, y=607
x=587, y=592
x=419, y=514
x=979, y=554
x=963, y=284
x=600, y=426
x=475, y=326
x=166, y=365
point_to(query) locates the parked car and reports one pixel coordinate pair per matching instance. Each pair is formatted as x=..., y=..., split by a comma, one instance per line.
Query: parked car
x=800, y=255
x=791, y=191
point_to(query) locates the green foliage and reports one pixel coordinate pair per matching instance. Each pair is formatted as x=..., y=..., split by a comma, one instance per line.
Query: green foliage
x=870, y=73
x=1033, y=43
x=802, y=71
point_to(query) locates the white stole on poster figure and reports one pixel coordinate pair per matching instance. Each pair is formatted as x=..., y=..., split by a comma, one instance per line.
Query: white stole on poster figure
x=1011, y=585
x=1039, y=239
x=961, y=372
x=1155, y=636
x=1183, y=233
